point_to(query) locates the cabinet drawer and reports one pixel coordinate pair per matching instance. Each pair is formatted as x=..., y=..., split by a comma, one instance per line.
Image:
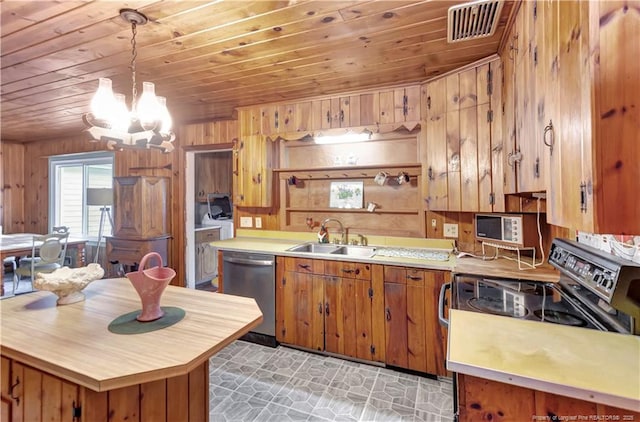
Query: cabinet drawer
x=395, y=274
x=356, y=270
x=130, y=252
x=304, y=265
x=209, y=235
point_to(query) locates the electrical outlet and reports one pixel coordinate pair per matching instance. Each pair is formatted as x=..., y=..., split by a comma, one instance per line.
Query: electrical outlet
x=245, y=222
x=258, y=222
x=450, y=230
x=434, y=223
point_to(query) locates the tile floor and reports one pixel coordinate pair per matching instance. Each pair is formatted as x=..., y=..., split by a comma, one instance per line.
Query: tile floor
x=249, y=382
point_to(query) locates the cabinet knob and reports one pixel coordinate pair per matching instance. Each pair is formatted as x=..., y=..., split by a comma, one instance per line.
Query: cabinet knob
x=388, y=314
x=326, y=309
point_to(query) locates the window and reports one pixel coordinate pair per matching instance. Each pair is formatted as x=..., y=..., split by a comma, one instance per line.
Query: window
x=69, y=178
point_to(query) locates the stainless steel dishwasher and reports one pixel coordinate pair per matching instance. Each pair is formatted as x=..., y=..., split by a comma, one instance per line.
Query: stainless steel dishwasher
x=253, y=275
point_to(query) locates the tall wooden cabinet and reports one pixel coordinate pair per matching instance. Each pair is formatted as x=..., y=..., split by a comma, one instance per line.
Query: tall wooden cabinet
x=463, y=137
x=141, y=206
x=571, y=78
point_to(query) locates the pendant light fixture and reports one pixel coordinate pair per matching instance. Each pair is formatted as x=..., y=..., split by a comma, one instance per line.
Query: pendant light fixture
x=146, y=125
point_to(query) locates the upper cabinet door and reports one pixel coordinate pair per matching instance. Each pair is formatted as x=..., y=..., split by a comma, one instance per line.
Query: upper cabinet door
x=463, y=145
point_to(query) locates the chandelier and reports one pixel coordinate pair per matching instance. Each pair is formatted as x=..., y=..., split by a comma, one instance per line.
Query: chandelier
x=146, y=125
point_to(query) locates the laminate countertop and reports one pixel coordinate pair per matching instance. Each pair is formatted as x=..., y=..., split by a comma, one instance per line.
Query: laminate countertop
x=278, y=243
x=578, y=362
x=74, y=343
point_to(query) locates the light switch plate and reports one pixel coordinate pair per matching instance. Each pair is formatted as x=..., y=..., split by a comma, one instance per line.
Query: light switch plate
x=245, y=222
x=450, y=230
x=258, y=222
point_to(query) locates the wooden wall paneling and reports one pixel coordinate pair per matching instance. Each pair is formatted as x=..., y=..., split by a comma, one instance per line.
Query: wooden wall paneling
x=508, y=110
x=268, y=119
x=570, y=115
x=469, y=180
x=485, y=156
x=178, y=393
x=416, y=326
x=436, y=145
x=12, y=187
x=303, y=117
x=199, y=393
x=286, y=118
x=453, y=160
x=354, y=111
x=479, y=398
x=325, y=118
x=340, y=112
x=361, y=314
x=413, y=109
x=377, y=313
x=618, y=168
x=498, y=141
x=369, y=108
x=387, y=114
x=153, y=401
x=127, y=403
x=553, y=404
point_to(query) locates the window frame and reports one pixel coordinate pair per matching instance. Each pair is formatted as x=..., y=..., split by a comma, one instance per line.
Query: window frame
x=84, y=159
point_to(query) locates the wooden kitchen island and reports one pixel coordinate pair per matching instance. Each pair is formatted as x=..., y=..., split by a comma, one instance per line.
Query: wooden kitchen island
x=62, y=362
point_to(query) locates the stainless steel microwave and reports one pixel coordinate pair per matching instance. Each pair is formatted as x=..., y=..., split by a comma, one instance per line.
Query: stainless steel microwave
x=517, y=230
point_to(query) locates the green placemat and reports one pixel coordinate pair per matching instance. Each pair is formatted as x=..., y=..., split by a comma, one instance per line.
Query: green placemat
x=128, y=324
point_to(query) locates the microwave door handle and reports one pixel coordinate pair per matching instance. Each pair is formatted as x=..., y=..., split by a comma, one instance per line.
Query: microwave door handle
x=441, y=304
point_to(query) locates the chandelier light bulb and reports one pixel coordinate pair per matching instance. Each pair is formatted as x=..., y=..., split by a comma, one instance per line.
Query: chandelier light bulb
x=146, y=125
x=148, y=107
x=165, y=118
x=103, y=101
x=120, y=118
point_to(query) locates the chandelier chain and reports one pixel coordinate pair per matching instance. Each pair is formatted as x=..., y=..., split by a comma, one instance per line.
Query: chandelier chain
x=134, y=54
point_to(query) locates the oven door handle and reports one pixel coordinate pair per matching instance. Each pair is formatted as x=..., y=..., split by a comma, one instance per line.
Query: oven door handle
x=441, y=303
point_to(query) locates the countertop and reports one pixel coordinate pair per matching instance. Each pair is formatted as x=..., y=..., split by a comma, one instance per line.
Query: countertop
x=588, y=364
x=277, y=243
x=73, y=342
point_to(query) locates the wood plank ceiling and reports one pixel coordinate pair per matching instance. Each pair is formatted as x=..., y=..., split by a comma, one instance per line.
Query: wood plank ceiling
x=209, y=57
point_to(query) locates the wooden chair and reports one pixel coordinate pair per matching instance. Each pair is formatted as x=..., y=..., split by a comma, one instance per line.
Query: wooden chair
x=47, y=255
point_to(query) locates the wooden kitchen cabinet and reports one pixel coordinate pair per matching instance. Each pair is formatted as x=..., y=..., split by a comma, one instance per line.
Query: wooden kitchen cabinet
x=601, y=136
x=414, y=338
x=213, y=174
x=483, y=399
x=573, y=87
x=326, y=306
x=206, y=255
x=253, y=161
x=141, y=206
x=464, y=158
x=31, y=395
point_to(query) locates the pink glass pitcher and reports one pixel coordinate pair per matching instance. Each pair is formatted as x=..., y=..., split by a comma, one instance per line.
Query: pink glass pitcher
x=150, y=285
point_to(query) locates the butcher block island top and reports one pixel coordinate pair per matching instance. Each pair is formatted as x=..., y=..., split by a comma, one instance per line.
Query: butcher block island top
x=73, y=341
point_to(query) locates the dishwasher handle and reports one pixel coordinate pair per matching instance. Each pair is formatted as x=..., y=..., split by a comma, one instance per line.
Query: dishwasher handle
x=441, y=304
x=254, y=262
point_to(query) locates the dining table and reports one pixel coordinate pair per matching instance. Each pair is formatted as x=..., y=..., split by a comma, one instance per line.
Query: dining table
x=21, y=244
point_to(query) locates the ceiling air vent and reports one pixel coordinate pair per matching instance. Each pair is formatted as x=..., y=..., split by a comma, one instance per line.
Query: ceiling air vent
x=473, y=20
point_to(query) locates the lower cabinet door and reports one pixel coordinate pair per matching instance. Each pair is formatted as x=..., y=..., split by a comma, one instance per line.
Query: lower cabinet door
x=395, y=310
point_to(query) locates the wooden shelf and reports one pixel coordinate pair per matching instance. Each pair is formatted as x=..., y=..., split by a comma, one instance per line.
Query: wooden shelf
x=349, y=168
x=355, y=210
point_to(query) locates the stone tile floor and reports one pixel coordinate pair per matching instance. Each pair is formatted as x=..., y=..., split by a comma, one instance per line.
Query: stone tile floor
x=249, y=382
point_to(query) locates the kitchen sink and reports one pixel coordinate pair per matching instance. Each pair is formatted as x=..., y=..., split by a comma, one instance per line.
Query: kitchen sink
x=315, y=248
x=362, y=251
x=324, y=248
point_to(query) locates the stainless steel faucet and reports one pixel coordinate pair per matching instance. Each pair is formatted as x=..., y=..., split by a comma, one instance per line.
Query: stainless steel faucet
x=343, y=234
